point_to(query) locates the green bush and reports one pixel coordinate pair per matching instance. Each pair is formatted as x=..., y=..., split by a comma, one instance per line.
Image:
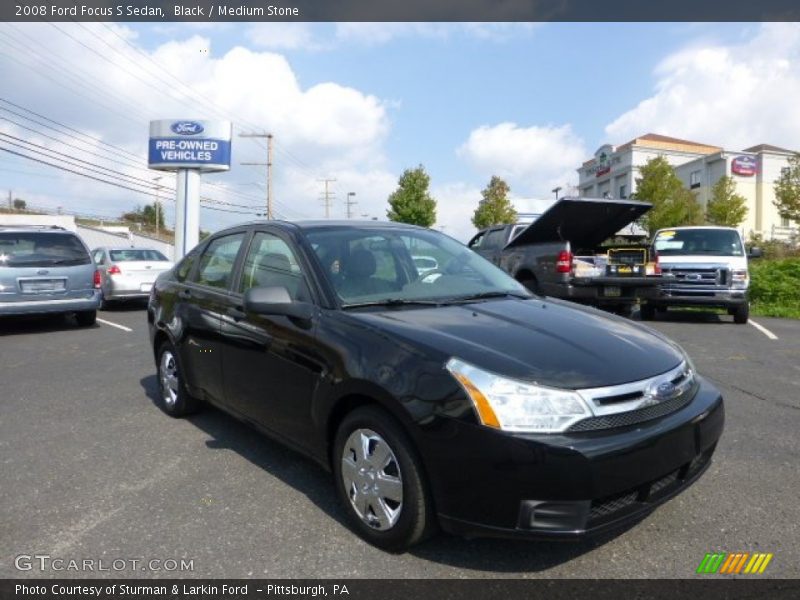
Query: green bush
x=775, y=287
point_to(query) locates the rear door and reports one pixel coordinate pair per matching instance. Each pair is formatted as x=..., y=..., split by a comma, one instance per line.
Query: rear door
x=44, y=265
x=202, y=300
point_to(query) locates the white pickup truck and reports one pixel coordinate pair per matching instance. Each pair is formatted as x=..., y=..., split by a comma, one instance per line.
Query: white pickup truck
x=702, y=266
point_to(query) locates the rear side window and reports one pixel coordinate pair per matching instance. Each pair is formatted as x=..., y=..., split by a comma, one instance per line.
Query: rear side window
x=494, y=238
x=130, y=254
x=41, y=249
x=186, y=264
x=217, y=262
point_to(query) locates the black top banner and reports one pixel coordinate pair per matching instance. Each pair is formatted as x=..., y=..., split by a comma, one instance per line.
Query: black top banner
x=400, y=10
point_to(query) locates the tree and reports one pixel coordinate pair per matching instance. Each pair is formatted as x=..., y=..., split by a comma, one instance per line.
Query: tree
x=726, y=207
x=494, y=208
x=673, y=204
x=411, y=202
x=787, y=190
x=20, y=204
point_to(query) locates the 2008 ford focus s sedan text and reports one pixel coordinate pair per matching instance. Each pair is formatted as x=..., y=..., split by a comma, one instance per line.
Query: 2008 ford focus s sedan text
x=449, y=397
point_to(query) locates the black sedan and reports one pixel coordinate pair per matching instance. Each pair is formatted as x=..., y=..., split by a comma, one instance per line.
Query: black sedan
x=450, y=397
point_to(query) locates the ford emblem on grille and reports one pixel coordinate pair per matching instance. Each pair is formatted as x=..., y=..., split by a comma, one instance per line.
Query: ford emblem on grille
x=660, y=392
x=186, y=127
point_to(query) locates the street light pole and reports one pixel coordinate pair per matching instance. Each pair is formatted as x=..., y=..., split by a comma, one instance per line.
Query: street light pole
x=555, y=190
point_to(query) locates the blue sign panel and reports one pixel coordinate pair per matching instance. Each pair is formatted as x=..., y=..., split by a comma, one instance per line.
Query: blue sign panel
x=189, y=153
x=189, y=144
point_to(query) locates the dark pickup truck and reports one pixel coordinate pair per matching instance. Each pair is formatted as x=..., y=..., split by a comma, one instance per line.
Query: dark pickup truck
x=560, y=253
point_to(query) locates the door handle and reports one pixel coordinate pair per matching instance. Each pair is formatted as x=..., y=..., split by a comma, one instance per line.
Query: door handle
x=185, y=294
x=237, y=312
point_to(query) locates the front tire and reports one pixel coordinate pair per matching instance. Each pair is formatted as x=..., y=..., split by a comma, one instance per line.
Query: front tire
x=741, y=313
x=86, y=318
x=175, y=399
x=380, y=481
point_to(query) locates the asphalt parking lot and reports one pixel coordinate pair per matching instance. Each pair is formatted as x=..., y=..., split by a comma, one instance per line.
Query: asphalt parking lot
x=92, y=469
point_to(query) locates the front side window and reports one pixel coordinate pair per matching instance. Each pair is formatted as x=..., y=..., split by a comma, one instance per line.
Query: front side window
x=404, y=265
x=270, y=261
x=41, y=249
x=217, y=262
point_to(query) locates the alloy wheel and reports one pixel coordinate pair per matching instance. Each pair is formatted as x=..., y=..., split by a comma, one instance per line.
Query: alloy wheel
x=168, y=375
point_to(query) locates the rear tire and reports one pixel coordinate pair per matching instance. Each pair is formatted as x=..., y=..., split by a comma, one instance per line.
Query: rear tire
x=380, y=481
x=741, y=314
x=175, y=399
x=86, y=318
x=647, y=312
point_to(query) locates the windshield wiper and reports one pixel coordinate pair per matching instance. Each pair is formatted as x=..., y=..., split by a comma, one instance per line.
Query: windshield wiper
x=392, y=302
x=490, y=295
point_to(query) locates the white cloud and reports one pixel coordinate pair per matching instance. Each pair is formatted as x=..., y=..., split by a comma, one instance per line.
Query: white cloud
x=321, y=129
x=734, y=95
x=533, y=159
x=282, y=36
x=382, y=33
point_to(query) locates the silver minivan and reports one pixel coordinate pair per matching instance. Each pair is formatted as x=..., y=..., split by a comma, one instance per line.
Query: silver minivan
x=46, y=270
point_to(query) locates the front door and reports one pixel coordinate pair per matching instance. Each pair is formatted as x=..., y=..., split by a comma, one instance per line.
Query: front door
x=270, y=363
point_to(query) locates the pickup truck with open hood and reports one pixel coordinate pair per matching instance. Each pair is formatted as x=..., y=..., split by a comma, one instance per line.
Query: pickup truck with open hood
x=560, y=253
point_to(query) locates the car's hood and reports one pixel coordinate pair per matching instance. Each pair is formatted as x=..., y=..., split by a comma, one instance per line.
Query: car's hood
x=550, y=342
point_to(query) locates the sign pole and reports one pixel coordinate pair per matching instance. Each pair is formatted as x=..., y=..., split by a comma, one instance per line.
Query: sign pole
x=187, y=211
x=189, y=148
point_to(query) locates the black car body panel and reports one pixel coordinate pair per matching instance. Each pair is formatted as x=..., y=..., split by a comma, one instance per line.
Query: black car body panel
x=295, y=380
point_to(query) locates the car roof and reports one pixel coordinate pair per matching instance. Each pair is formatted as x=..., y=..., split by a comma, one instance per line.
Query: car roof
x=308, y=225
x=35, y=228
x=682, y=227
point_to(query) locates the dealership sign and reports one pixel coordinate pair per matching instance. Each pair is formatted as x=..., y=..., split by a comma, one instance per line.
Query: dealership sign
x=189, y=144
x=746, y=166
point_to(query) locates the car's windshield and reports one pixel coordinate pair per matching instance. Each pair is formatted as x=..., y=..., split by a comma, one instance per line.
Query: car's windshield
x=377, y=264
x=41, y=249
x=717, y=242
x=129, y=254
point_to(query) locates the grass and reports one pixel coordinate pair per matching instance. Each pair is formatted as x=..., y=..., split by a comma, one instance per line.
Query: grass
x=775, y=288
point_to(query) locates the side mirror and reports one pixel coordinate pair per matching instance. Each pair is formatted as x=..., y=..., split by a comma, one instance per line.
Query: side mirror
x=755, y=253
x=275, y=300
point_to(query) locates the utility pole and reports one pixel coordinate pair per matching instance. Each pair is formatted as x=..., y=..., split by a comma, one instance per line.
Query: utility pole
x=350, y=203
x=10, y=201
x=327, y=196
x=156, y=179
x=267, y=164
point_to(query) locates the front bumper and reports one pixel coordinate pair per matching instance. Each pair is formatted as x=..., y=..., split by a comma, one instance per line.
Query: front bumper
x=568, y=486
x=694, y=296
x=90, y=301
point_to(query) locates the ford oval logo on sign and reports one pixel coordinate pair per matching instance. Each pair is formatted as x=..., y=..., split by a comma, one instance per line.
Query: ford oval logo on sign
x=186, y=128
x=745, y=166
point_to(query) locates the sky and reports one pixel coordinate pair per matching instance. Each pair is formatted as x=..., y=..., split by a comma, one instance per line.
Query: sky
x=361, y=102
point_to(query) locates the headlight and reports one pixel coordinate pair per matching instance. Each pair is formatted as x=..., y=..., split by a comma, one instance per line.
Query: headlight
x=740, y=278
x=512, y=405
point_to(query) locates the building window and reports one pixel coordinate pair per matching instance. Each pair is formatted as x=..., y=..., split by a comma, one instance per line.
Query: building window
x=785, y=222
x=623, y=192
x=694, y=179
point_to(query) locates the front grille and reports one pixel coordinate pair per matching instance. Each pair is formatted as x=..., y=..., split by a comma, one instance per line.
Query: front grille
x=664, y=482
x=701, y=276
x=608, y=506
x=633, y=417
x=603, y=508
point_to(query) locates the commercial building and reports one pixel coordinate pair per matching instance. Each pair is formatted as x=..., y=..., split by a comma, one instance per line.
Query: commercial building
x=613, y=170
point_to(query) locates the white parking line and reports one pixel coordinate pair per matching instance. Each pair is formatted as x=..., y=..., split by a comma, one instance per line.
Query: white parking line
x=117, y=325
x=761, y=328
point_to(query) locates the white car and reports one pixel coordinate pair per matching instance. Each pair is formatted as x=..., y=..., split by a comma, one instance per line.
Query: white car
x=702, y=266
x=425, y=264
x=128, y=273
